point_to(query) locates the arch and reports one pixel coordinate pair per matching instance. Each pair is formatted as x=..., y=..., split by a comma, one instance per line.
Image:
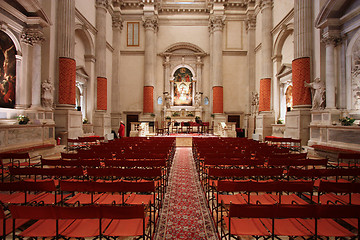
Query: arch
x=331, y=9
x=5, y=28
x=86, y=37
x=349, y=93
x=286, y=30
x=183, y=66
x=184, y=45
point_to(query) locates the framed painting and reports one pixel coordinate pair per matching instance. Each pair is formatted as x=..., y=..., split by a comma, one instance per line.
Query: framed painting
x=183, y=85
x=7, y=71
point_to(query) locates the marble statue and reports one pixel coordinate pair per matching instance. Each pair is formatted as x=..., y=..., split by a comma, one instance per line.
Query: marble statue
x=197, y=99
x=47, y=93
x=318, y=93
x=167, y=100
x=255, y=101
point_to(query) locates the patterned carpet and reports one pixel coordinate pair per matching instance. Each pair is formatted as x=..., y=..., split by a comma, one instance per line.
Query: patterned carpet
x=185, y=214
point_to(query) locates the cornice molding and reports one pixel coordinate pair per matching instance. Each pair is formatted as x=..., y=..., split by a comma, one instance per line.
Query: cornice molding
x=284, y=22
x=33, y=20
x=85, y=22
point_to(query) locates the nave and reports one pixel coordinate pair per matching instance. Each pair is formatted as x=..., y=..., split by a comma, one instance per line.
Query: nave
x=150, y=188
x=185, y=214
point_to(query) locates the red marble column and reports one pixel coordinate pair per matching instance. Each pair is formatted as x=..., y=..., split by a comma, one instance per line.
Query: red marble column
x=265, y=95
x=101, y=93
x=148, y=106
x=67, y=77
x=218, y=96
x=301, y=74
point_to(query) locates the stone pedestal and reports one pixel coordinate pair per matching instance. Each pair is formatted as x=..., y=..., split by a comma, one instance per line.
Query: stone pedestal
x=278, y=130
x=321, y=121
x=68, y=123
x=263, y=125
x=297, y=124
x=102, y=124
x=218, y=119
x=250, y=120
x=88, y=129
x=115, y=121
x=325, y=117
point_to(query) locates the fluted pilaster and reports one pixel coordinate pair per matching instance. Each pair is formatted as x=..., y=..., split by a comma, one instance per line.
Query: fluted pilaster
x=330, y=41
x=250, y=27
x=117, y=25
x=66, y=49
x=151, y=25
x=266, y=44
x=301, y=64
x=216, y=26
x=66, y=28
x=100, y=51
x=302, y=28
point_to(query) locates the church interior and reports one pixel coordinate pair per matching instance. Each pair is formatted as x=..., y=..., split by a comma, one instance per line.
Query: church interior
x=180, y=119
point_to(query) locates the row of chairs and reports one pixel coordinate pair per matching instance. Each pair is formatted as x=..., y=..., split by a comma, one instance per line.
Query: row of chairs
x=293, y=145
x=80, y=193
x=81, y=221
x=273, y=221
x=248, y=173
x=83, y=142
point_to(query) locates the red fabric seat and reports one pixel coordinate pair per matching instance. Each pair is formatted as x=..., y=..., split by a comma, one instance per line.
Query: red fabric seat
x=252, y=226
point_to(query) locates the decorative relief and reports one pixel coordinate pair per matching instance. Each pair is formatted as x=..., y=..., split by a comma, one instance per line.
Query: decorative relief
x=216, y=23
x=117, y=21
x=32, y=36
x=250, y=22
x=150, y=23
x=265, y=4
x=102, y=3
x=334, y=40
x=355, y=75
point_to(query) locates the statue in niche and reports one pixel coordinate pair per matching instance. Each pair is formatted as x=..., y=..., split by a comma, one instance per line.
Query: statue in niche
x=167, y=100
x=47, y=94
x=197, y=99
x=255, y=101
x=318, y=93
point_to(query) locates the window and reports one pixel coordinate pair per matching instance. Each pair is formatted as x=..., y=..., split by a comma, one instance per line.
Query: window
x=132, y=34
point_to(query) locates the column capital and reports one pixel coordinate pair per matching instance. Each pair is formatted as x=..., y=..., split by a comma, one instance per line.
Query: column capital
x=331, y=39
x=166, y=62
x=150, y=22
x=265, y=4
x=250, y=22
x=216, y=23
x=199, y=61
x=32, y=36
x=117, y=21
x=102, y=4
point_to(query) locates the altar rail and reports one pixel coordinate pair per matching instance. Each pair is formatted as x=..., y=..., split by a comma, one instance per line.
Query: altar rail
x=15, y=137
x=346, y=138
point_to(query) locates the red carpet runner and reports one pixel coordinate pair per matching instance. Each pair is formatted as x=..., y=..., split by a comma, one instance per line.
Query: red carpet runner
x=185, y=214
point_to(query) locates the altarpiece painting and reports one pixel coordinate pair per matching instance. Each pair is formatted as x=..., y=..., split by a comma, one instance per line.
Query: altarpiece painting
x=7, y=71
x=183, y=85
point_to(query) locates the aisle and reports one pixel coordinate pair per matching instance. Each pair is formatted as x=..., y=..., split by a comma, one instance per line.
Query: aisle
x=185, y=214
